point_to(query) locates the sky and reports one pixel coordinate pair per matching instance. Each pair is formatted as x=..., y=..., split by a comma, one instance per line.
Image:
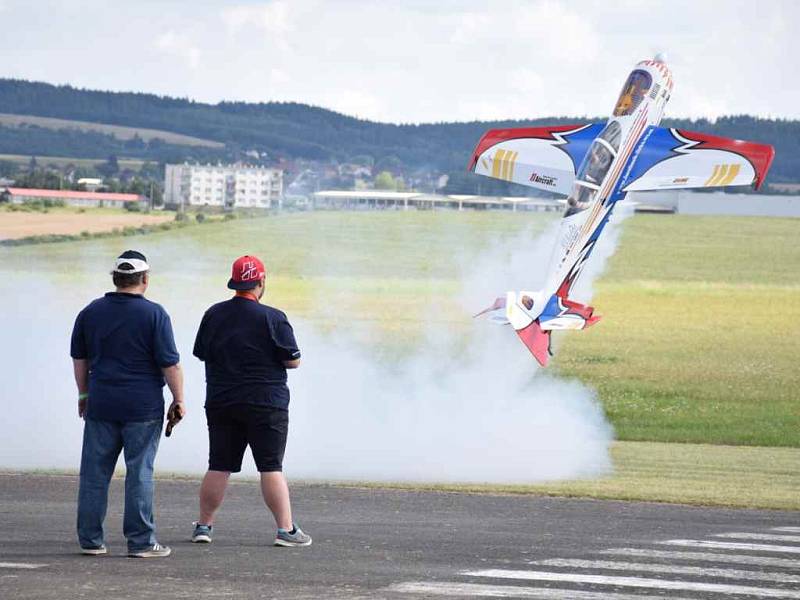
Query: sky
x=416, y=61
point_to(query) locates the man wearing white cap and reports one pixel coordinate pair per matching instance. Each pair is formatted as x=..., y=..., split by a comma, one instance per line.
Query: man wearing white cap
x=123, y=350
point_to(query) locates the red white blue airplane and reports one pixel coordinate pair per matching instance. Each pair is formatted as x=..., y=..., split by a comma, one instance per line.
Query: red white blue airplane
x=595, y=166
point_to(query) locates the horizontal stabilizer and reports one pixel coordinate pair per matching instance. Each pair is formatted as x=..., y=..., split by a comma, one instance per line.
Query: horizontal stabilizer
x=498, y=304
x=537, y=341
x=586, y=312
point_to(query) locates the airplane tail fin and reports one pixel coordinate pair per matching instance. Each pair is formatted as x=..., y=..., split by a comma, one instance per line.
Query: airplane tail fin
x=537, y=341
x=534, y=316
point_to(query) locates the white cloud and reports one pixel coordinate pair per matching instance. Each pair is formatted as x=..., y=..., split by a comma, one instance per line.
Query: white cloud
x=179, y=44
x=357, y=103
x=469, y=26
x=412, y=61
x=271, y=18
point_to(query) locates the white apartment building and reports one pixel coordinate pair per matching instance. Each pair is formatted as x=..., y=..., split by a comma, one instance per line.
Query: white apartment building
x=222, y=185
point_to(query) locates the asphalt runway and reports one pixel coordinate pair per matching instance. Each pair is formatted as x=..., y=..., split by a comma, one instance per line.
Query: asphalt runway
x=400, y=544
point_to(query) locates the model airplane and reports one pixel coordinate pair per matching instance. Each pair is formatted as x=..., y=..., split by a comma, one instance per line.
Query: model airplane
x=596, y=165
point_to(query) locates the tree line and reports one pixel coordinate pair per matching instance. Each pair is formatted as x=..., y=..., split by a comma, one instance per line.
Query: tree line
x=292, y=130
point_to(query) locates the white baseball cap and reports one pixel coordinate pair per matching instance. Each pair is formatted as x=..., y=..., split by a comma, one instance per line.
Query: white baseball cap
x=131, y=261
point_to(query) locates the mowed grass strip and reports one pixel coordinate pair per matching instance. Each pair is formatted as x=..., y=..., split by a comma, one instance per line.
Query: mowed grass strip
x=700, y=340
x=695, y=474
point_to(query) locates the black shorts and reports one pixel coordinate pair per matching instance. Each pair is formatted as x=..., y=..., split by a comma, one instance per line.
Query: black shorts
x=232, y=428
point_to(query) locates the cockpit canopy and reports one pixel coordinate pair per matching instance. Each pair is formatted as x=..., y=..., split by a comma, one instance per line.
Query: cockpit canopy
x=633, y=92
x=594, y=168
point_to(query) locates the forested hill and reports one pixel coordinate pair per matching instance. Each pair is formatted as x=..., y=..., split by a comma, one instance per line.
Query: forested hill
x=294, y=130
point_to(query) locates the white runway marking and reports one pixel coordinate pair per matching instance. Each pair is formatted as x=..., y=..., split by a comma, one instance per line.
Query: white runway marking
x=734, y=546
x=13, y=565
x=767, y=537
x=669, y=569
x=636, y=582
x=741, y=559
x=463, y=590
x=787, y=529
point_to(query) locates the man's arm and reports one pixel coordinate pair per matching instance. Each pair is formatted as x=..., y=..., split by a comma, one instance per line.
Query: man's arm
x=174, y=378
x=80, y=367
x=283, y=336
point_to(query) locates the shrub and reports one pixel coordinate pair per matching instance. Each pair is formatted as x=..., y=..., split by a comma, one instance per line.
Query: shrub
x=200, y=217
x=181, y=216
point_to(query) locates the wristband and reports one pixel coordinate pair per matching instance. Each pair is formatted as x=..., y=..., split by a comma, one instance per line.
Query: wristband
x=83, y=396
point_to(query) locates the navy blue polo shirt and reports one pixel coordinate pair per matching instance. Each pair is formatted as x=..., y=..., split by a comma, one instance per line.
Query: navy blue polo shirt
x=243, y=344
x=127, y=340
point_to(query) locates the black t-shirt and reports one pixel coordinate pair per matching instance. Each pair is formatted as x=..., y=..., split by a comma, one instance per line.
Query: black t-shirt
x=244, y=344
x=127, y=340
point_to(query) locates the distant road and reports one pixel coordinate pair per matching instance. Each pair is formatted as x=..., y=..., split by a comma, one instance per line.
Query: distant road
x=400, y=544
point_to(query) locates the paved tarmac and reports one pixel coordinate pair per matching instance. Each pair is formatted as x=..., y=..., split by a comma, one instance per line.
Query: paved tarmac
x=400, y=544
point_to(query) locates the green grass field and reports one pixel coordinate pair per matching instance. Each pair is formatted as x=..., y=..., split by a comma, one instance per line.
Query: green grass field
x=700, y=340
x=698, y=474
x=701, y=336
x=699, y=344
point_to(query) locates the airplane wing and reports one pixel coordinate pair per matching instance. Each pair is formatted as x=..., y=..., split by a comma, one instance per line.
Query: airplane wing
x=545, y=158
x=680, y=159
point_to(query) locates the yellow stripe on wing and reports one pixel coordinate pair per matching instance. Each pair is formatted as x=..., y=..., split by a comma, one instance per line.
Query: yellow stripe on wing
x=732, y=173
x=497, y=162
x=723, y=175
x=511, y=159
x=714, y=174
x=723, y=171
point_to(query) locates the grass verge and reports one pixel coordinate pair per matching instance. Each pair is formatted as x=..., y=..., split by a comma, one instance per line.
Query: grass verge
x=694, y=474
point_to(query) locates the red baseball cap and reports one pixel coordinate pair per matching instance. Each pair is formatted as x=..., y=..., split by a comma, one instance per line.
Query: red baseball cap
x=246, y=273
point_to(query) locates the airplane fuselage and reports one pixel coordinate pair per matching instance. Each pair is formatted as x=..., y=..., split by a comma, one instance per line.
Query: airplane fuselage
x=597, y=183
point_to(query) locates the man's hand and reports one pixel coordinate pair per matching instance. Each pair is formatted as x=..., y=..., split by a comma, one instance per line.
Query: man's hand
x=175, y=412
x=80, y=368
x=82, y=403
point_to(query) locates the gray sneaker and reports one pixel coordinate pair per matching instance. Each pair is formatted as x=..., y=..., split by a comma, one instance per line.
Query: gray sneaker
x=202, y=533
x=154, y=551
x=94, y=550
x=292, y=539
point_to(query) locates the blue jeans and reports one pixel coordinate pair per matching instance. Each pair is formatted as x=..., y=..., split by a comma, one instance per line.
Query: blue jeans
x=102, y=443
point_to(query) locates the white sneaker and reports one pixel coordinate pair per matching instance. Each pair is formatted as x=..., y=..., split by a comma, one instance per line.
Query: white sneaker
x=292, y=539
x=154, y=551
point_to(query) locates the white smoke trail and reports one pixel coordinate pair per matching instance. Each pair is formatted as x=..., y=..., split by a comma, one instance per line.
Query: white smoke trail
x=453, y=411
x=480, y=414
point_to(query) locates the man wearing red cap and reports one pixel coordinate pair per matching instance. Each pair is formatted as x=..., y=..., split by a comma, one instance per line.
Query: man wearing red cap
x=247, y=347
